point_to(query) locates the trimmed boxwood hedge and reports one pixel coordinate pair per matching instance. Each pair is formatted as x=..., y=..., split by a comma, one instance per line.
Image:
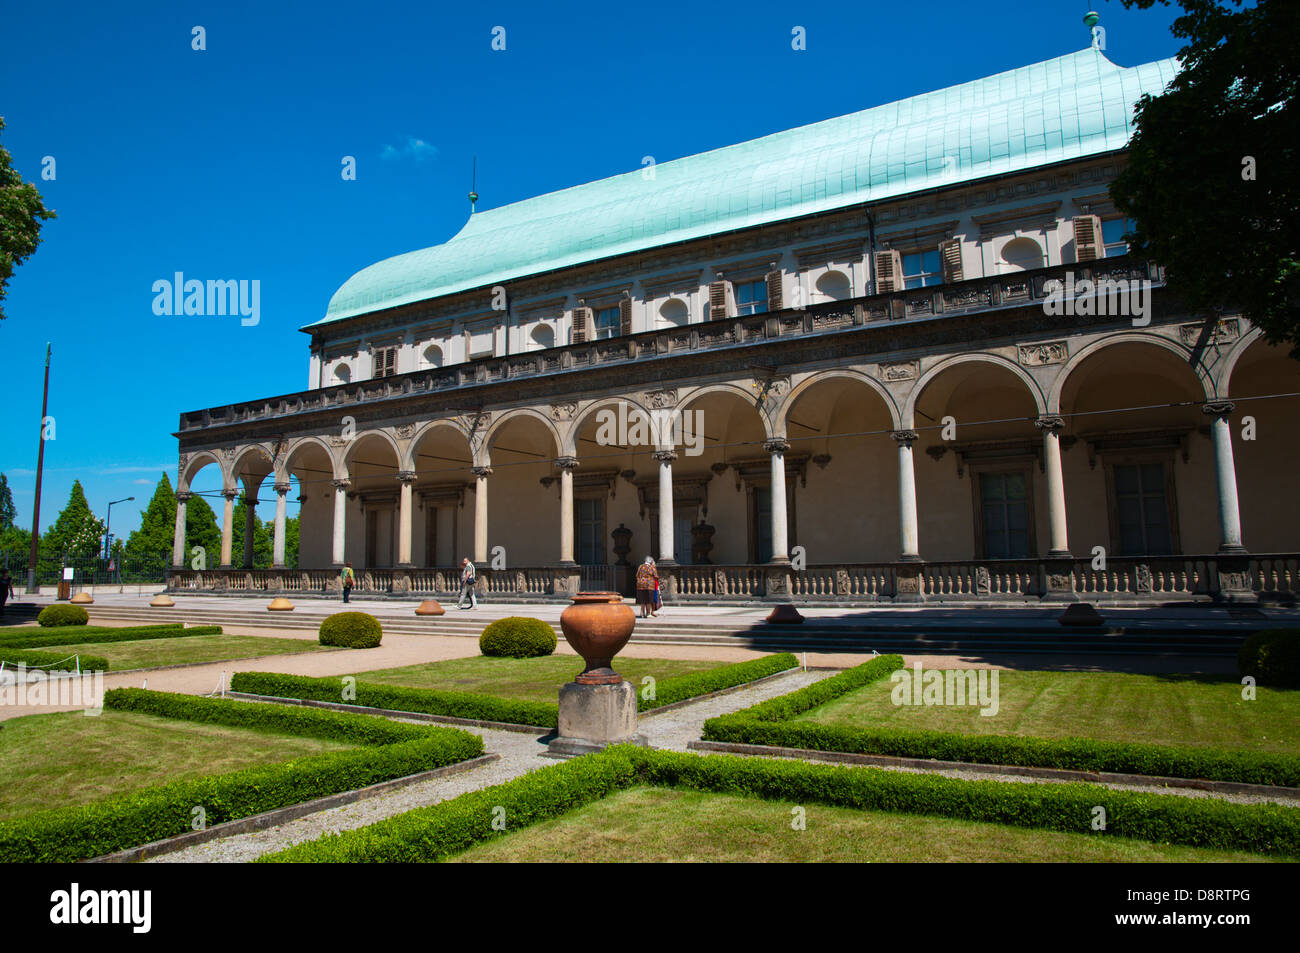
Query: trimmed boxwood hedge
x=479, y=707
x=129, y=820
x=89, y=663
x=1272, y=658
x=277, y=719
x=434, y=833
x=351, y=630
x=63, y=615
x=97, y=635
x=517, y=637
x=769, y=723
x=681, y=687
x=400, y=698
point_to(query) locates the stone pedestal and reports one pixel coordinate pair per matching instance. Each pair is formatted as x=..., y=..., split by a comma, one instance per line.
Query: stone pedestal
x=593, y=717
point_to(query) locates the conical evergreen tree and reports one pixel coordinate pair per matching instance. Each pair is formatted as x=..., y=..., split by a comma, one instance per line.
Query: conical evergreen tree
x=261, y=536
x=77, y=532
x=153, y=540
x=201, y=530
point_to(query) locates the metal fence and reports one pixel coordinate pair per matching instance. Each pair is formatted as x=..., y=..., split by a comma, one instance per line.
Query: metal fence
x=88, y=570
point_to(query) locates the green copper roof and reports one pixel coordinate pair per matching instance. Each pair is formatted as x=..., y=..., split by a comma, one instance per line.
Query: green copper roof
x=1066, y=108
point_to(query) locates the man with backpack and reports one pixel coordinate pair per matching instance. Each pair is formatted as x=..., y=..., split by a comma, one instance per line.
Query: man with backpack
x=347, y=579
x=467, y=585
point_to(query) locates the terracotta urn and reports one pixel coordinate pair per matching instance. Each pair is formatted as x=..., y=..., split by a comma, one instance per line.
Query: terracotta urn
x=598, y=625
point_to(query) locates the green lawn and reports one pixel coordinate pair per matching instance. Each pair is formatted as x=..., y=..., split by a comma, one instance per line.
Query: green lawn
x=662, y=825
x=149, y=653
x=532, y=679
x=68, y=758
x=1156, y=709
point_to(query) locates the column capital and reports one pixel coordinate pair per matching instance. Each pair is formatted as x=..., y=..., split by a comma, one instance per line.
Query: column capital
x=777, y=445
x=482, y=472
x=905, y=437
x=1050, y=423
x=567, y=463
x=405, y=476
x=230, y=494
x=1218, y=408
x=665, y=456
x=183, y=496
x=283, y=488
x=340, y=484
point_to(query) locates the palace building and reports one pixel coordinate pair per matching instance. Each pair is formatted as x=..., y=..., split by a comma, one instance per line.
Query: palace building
x=913, y=356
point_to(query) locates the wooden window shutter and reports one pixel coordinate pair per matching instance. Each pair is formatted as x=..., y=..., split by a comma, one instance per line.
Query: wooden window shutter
x=950, y=260
x=582, y=331
x=775, y=299
x=1087, y=238
x=390, y=365
x=717, y=300
x=889, y=271
x=625, y=316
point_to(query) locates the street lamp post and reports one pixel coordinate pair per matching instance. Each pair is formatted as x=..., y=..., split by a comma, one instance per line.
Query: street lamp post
x=108, y=523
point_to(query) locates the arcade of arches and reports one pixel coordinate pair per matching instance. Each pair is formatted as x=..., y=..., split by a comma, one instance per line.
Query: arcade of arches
x=1002, y=472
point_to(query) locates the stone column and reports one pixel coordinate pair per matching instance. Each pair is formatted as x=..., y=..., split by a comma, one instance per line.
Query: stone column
x=1058, y=535
x=277, y=545
x=250, y=523
x=1225, y=474
x=178, y=541
x=567, y=465
x=227, y=517
x=666, y=458
x=481, y=475
x=340, y=519
x=406, y=478
x=778, y=447
x=907, y=523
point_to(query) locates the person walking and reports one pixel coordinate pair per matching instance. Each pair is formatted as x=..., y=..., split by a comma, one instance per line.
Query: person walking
x=6, y=588
x=467, y=585
x=347, y=579
x=647, y=581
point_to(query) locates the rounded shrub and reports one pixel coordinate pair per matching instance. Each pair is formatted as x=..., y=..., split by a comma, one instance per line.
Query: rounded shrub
x=351, y=630
x=1272, y=657
x=517, y=637
x=63, y=615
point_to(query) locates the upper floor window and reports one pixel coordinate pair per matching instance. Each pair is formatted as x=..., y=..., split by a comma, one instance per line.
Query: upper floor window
x=1112, y=235
x=608, y=322
x=921, y=269
x=751, y=297
x=385, y=362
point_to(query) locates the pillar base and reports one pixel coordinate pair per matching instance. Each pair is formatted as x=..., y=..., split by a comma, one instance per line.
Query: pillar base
x=910, y=558
x=592, y=717
x=907, y=581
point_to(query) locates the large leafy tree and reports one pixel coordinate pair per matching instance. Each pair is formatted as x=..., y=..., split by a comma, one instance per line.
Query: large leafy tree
x=7, y=511
x=1211, y=178
x=21, y=214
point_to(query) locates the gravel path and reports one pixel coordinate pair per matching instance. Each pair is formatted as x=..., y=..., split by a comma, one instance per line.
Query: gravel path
x=521, y=753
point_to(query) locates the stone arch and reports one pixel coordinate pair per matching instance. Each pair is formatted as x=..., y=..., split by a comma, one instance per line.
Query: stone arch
x=744, y=393
x=408, y=458
x=908, y=417
x=1223, y=379
x=1134, y=337
x=383, y=433
x=569, y=446
x=298, y=443
x=247, y=454
x=779, y=423
x=483, y=452
x=196, y=461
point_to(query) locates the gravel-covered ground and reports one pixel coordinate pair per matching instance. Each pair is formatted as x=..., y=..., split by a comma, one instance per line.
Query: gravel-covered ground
x=521, y=753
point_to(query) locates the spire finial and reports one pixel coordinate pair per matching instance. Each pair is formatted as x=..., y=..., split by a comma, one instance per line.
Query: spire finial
x=473, y=196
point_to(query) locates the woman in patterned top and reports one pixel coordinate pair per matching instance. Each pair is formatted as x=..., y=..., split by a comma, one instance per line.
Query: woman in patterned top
x=647, y=579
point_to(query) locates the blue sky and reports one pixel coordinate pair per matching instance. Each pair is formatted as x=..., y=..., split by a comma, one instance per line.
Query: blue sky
x=226, y=163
